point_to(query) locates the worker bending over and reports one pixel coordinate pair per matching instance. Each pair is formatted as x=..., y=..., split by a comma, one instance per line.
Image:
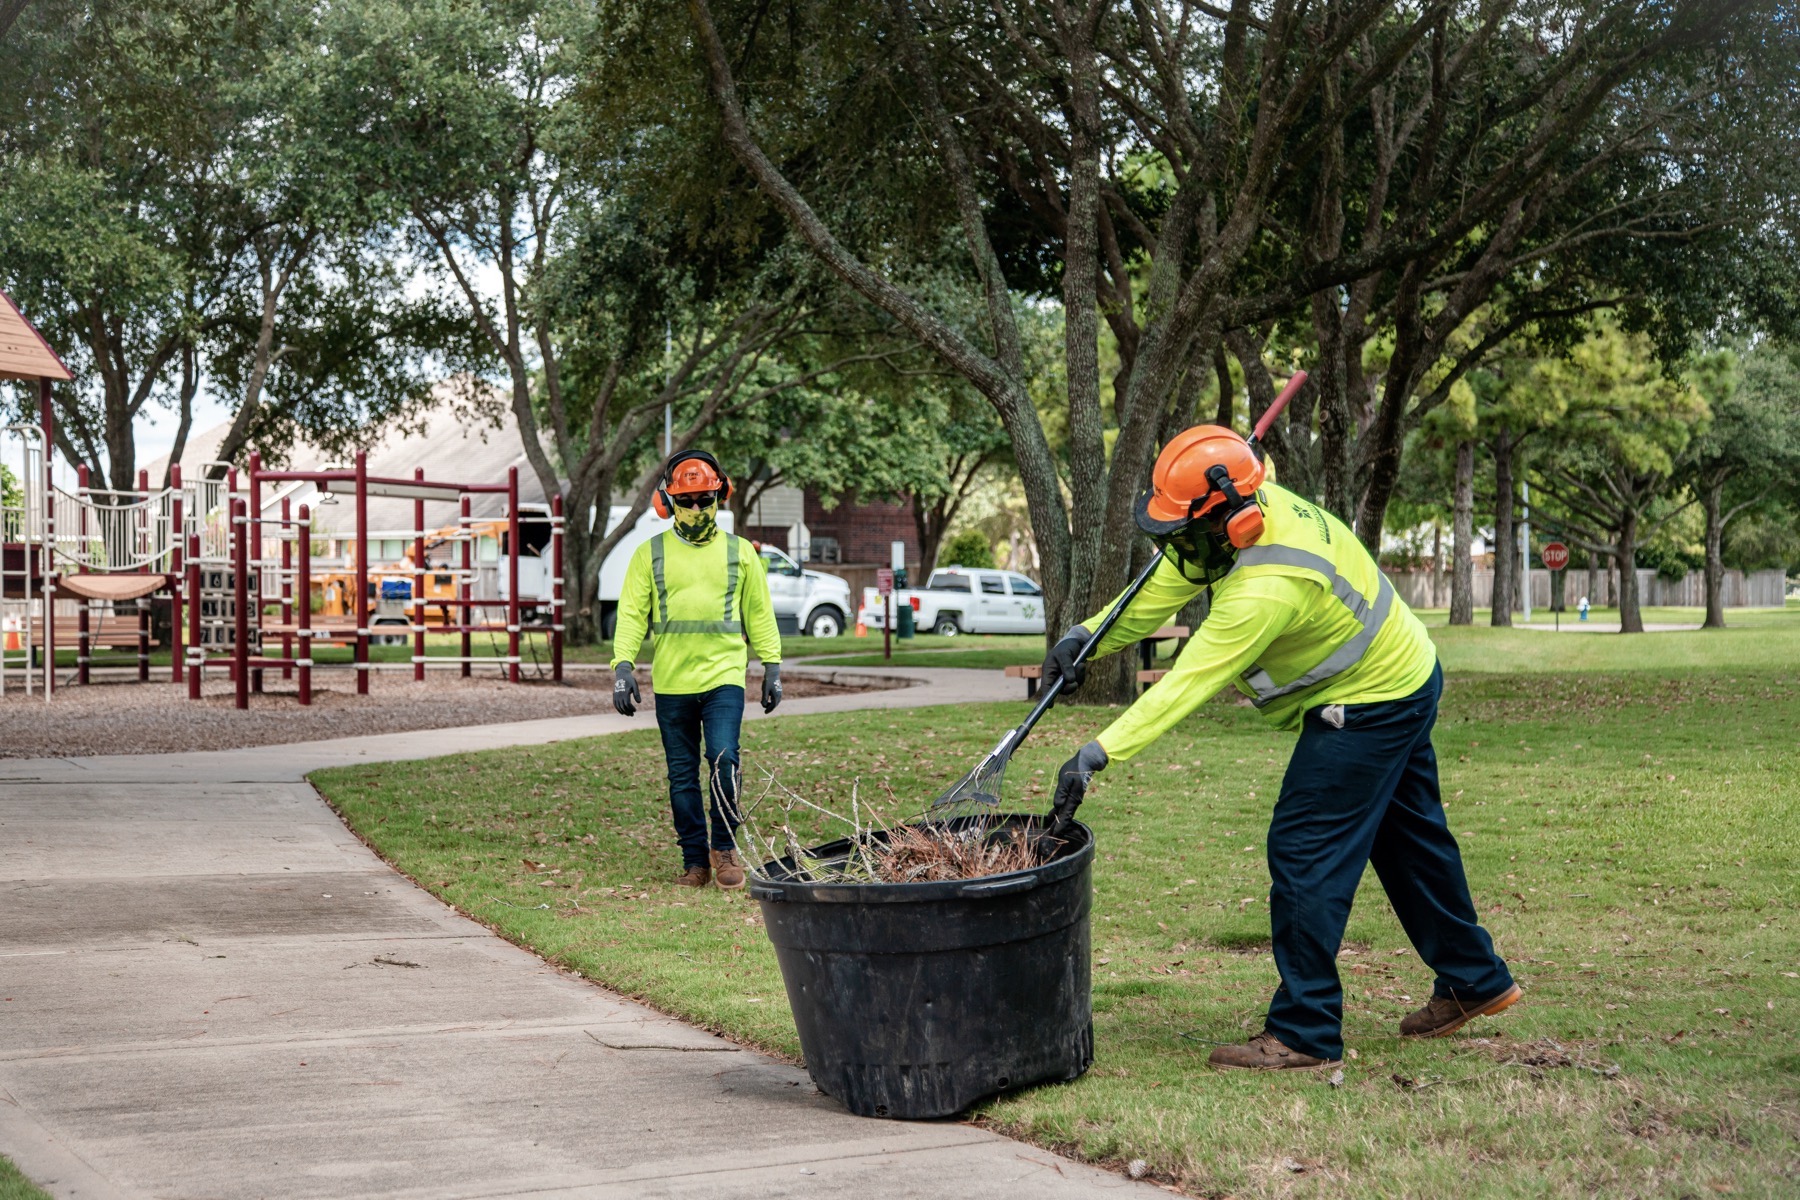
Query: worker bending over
x=1304, y=623
x=697, y=593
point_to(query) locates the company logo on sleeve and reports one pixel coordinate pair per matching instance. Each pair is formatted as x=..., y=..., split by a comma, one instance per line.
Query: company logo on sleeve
x=1309, y=512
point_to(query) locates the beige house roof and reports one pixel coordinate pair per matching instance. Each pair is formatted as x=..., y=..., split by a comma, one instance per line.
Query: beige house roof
x=451, y=444
x=24, y=354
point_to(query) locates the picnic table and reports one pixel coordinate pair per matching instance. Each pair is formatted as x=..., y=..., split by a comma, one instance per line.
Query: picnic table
x=1147, y=673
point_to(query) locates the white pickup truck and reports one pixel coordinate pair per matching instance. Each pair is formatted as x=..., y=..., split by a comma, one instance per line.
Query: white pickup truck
x=966, y=600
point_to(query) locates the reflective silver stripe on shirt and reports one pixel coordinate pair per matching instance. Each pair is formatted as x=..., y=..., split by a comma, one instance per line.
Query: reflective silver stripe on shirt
x=662, y=584
x=664, y=625
x=731, y=576
x=698, y=627
x=1370, y=617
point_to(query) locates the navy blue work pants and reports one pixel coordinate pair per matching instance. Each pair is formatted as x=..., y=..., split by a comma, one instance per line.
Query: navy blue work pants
x=715, y=718
x=1367, y=793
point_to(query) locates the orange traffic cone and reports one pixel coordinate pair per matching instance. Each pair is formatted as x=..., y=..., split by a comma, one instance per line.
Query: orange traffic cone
x=862, y=630
x=13, y=641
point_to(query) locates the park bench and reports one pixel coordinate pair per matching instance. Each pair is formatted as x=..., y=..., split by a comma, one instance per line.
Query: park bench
x=1031, y=673
x=104, y=633
x=113, y=633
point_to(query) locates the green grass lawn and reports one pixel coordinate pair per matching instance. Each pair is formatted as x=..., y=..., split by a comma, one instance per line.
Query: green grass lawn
x=1751, y=638
x=14, y=1186
x=1631, y=829
x=1480, y=649
x=1653, y=615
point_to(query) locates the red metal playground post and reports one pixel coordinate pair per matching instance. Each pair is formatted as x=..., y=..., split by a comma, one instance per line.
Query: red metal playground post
x=296, y=572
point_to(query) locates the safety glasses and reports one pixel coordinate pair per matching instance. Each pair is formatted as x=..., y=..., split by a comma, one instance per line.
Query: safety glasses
x=695, y=499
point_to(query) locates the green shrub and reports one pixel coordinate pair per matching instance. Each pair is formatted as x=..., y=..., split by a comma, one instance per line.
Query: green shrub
x=970, y=548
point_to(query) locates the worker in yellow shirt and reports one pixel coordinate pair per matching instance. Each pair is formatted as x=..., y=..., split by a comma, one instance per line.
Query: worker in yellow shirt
x=1304, y=623
x=698, y=592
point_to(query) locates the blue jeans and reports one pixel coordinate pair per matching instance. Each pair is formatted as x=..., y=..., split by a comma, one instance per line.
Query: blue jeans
x=1367, y=794
x=684, y=720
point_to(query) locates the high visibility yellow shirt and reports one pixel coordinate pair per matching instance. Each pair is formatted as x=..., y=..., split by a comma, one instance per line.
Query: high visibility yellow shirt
x=1305, y=618
x=696, y=603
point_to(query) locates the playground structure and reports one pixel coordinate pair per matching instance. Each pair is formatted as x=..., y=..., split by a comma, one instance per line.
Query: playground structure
x=240, y=580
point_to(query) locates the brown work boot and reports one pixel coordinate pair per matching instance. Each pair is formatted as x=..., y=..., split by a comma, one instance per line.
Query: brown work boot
x=1264, y=1052
x=727, y=869
x=1447, y=1014
x=694, y=877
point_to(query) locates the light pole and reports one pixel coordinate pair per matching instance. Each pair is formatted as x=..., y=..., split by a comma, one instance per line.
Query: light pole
x=1525, y=554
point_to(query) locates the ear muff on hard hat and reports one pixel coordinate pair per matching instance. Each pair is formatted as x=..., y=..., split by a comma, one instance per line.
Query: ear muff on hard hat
x=1243, y=518
x=1202, y=492
x=688, y=472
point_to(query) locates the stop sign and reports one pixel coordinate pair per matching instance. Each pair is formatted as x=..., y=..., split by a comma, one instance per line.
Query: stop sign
x=1555, y=556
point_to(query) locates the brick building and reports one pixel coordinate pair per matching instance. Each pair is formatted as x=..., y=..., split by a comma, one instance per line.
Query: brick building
x=850, y=539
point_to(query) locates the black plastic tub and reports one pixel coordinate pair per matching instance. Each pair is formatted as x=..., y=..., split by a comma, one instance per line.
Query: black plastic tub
x=915, y=1000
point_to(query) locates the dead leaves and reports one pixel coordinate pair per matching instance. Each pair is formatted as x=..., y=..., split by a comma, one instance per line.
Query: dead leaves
x=1533, y=1057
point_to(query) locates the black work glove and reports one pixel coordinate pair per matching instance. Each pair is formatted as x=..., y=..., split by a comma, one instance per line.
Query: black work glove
x=1063, y=661
x=771, y=686
x=1072, y=781
x=626, y=696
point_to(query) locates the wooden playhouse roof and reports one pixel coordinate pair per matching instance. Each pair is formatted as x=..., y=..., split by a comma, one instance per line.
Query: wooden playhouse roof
x=24, y=354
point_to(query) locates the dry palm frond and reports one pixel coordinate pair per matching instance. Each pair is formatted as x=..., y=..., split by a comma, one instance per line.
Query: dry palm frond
x=877, y=852
x=929, y=853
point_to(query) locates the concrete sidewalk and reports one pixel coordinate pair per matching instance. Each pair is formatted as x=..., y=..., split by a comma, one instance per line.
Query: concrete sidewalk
x=209, y=988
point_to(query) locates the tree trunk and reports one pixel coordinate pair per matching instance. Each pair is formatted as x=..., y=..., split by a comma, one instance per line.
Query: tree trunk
x=1336, y=429
x=121, y=455
x=746, y=490
x=1593, y=582
x=929, y=522
x=1437, y=559
x=581, y=591
x=9, y=12
x=190, y=385
x=1630, y=619
x=1715, y=559
x=581, y=564
x=1504, y=565
x=1462, y=575
x=1226, y=407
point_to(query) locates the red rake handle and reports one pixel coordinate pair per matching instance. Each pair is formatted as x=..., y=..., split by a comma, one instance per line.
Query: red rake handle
x=1281, y=402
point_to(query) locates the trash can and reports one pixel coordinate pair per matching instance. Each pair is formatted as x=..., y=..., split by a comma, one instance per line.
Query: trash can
x=915, y=1000
x=903, y=620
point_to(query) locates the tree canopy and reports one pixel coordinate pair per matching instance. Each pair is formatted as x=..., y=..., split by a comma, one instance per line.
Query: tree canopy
x=180, y=207
x=1304, y=181
x=891, y=250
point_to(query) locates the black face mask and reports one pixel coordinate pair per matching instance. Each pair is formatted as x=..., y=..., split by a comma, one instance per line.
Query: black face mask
x=1203, y=555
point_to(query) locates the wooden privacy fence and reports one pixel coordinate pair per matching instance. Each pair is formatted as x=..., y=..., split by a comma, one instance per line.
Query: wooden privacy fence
x=1757, y=589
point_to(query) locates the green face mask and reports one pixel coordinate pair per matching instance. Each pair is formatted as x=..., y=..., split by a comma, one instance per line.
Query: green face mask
x=696, y=526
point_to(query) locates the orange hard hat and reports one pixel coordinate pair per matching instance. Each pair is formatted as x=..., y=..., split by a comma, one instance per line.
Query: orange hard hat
x=694, y=474
x=1180, y=488
x=689, y=473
